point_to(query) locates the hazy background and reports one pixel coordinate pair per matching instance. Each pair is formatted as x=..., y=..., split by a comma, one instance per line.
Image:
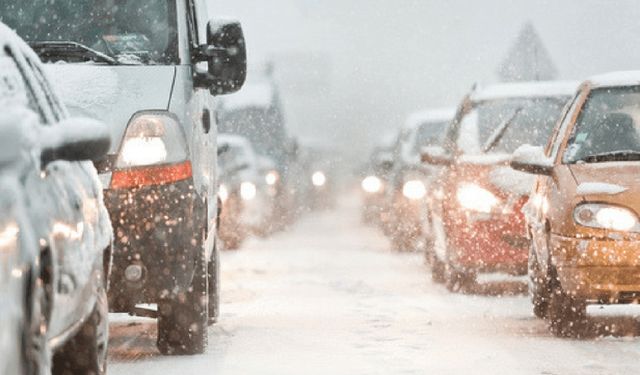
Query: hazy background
x=351, y=70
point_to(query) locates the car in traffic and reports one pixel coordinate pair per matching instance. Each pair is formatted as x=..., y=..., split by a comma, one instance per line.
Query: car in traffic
x=55, y=232
x=375, y=182
x=582, y=216
x=246, y=191
x=151, y=71
x=409, y=218
x=478, y=226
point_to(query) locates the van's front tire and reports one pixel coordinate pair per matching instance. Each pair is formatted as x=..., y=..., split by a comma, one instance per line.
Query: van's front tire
x=86, y=352
x=183, y=319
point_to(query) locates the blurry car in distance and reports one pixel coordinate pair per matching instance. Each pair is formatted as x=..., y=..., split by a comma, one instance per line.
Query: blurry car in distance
x=376, y=181
x=55, y=232
x=478, y=225
x=245, y=191
x=583, y=213
x=409, y=218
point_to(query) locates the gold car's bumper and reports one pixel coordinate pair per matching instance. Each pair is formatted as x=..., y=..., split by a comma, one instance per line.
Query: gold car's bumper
x=606, y=270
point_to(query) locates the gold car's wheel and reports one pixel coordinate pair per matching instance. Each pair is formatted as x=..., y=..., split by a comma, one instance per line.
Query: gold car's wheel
x=567, y=314
x=539, y=288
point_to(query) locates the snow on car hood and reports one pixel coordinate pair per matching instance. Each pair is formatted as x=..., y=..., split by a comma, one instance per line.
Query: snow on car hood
x=112, y=94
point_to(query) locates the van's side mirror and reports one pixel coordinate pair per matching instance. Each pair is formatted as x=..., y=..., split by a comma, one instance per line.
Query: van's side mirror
x=531, y=159
x=435, y=155
x=226, y=54
x=75, y=139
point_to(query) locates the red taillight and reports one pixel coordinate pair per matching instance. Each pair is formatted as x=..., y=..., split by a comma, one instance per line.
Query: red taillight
x=149, y=176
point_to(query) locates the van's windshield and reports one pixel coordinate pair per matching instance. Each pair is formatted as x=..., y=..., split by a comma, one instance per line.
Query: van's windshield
x=128, y=31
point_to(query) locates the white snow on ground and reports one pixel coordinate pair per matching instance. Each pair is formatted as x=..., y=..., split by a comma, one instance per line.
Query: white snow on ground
x=329, y=297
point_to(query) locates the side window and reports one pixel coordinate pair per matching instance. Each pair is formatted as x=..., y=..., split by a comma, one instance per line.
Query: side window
x=52, y=100
x=193, y=23
x=14, y=88
x=566, y=122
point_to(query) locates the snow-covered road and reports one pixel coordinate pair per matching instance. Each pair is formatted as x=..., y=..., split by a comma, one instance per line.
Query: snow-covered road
x=329, y=297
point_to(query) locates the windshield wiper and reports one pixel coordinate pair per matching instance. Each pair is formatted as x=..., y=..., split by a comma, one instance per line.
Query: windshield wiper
x=622, y=155
x=49, y=50
x=497, y=135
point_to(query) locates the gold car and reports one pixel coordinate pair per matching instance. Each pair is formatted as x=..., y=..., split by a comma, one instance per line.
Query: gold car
x=583, y=213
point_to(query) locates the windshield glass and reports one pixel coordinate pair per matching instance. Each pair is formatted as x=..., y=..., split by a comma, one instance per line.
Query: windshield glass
x=131, y=31
x=429, y=134
x=607, y=125
x=512, y=122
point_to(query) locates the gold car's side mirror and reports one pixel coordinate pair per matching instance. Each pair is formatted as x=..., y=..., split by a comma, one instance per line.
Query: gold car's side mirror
x=531, y=159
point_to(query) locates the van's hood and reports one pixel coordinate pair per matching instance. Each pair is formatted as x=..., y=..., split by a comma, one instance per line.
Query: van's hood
x=615, y=183
x=112, y=94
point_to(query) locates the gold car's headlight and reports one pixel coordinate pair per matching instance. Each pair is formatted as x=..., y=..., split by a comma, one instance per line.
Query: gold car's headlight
x=604, y=216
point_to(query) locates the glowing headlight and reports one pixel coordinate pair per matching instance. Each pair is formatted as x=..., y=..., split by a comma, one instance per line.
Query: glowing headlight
x=9, y=238
x=152, y=138
x=319, y=179
x=475, y=198
x=372, y=184
x=223, y=193
x=143, y=151
x=272, y=178
x=248, y=191
x=414, y=190
x=606, y=217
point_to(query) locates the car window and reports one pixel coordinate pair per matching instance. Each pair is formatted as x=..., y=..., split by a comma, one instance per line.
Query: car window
x=52, y=100
x=131, y=31
x=608, y=124
x=14, y=88
x=429, y=134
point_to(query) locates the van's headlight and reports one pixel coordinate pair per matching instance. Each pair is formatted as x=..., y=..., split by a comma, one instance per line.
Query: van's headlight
x=414, y=190
x=372, y=184
x=153, y=138
x=475, y=198
x=606, y=216
x=272, y=178
x=248, y=191
x=223, y=193
x=9, y=238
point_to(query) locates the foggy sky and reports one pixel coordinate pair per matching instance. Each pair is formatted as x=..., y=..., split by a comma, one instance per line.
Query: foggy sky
x=382, y=59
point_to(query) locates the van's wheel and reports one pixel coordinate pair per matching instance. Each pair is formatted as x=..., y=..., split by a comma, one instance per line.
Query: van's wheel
x=567, y=314
x=539, y=289
x=86, y=353
x=37, y=357
x=213, y=273
x=182, y=320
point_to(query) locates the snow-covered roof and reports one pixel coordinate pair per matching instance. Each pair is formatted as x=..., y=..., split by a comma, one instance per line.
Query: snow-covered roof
x=525, y=90
x=233, y=140
x=252, y=95
x=430, y=115
x=613, y=79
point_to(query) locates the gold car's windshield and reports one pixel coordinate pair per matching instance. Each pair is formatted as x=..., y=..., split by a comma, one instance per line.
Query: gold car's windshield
x=129, y=31
x=607, y=129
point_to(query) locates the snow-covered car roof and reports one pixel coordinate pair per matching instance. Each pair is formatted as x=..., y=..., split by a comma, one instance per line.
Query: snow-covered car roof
x=525, y=90
x=253, y=95
x=616, y=79
x=430, y=115
x=234, y=140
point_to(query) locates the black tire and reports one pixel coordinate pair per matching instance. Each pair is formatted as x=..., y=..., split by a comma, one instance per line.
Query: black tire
x=35, y=351
x=567, y=314
x=86, y=352
x=183, y=319
x=539, y=288
x=437, y=271
x=213, y=273
x=458, y=281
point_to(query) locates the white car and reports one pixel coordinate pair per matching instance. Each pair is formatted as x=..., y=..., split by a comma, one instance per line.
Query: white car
x=55, y=232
